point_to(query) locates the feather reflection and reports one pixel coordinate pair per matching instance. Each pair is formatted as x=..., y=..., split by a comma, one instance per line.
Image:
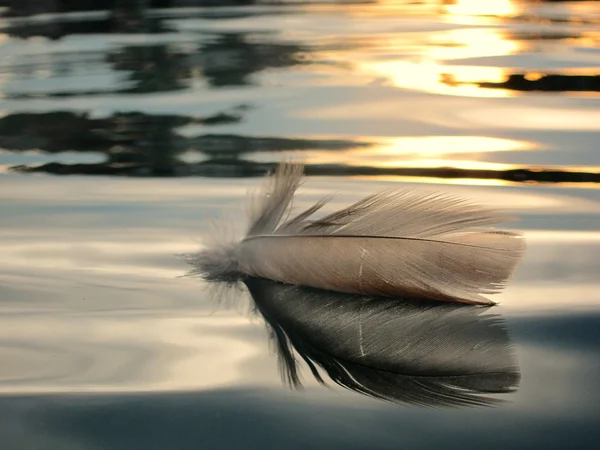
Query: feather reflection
x=426, y=353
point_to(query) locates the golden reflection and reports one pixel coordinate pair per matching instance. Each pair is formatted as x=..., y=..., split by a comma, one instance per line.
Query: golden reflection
x=533, y=76
x=422, y=156
x=438, y=78
x=472, y=43
x=479, y=165
x=441, y=61
x=587, y=39
x=503, y=8
x=433, y=64
x=422, y=152
x=462, y=181
x=433, y=180
x=434, y=71
x=443, y=145
x=443, y=163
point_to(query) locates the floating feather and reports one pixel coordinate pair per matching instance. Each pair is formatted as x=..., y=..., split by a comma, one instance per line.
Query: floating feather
x=394, y=243
x=426, y=353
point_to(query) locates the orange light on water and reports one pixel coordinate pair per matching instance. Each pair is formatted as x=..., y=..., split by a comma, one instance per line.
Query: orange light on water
x=438, y=78
x=463, y=152
x=501, y=8
x=443, y=145
x=440, y=66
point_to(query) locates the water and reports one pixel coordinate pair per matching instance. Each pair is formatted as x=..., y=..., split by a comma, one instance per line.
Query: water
x=176, y=112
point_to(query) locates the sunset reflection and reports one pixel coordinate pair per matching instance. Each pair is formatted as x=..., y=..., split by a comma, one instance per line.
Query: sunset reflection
x=503, y=8
x=437, y=78
x=441, y=181
x=423, y=151
x=458, y=164
x=442, y=65
x=472, y=43
x=130, y=138
x=480, y=54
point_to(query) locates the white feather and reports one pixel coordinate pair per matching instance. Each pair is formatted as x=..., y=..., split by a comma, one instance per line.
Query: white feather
x=395, y=243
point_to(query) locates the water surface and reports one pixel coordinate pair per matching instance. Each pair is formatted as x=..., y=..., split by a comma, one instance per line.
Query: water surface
x=159, y=127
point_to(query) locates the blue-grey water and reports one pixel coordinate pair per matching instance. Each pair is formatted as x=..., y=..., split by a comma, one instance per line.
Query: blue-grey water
x=122, y=133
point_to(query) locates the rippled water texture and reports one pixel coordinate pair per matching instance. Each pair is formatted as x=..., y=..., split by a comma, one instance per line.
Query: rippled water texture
x=123, y=132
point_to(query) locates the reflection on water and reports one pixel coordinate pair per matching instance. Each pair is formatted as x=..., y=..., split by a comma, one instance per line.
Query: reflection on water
x=228, y=60
x=503, y=8
x=145, y=87
x=562, y=398
x=420, y=352
x=101, y=346
x=138, y=144
x=470, y=62
x=550, y=83
x=119, y=20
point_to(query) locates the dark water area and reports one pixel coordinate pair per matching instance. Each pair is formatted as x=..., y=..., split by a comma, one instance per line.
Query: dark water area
x=126, y=129
x=561, y=355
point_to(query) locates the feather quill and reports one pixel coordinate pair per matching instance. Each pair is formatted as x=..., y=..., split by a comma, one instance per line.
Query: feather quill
x=394, y=243
x=426, y=353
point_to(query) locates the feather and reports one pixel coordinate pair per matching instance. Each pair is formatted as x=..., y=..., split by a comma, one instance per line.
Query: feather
x=394, y=243
x=426, y=353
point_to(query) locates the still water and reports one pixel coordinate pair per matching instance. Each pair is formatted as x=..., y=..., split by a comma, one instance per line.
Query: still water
x=121, y=136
